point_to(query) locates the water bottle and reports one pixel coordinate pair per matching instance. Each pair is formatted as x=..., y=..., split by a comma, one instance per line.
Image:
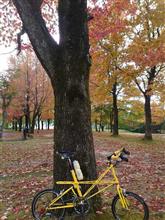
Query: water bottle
x=77, y=169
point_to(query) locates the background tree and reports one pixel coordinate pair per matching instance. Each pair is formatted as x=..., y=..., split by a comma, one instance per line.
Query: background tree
x=6, y=95
x=41, y=93
x=148, y=40
x=108, y=37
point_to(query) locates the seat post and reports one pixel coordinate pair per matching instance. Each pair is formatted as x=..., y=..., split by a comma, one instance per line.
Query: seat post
x=70, y=163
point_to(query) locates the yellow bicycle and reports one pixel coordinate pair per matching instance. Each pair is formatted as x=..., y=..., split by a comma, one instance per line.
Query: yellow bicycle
x=125, y=205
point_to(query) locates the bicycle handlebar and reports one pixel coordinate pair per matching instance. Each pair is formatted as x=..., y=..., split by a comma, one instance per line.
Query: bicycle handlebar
x=122, y=154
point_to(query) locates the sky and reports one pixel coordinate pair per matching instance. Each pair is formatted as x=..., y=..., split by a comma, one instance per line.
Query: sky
x=5, y=53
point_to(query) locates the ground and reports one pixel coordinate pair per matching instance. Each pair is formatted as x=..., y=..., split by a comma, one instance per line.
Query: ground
x=26, y=168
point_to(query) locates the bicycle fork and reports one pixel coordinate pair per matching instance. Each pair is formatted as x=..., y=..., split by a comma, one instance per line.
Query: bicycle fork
x=120, y=191
x=123, y=200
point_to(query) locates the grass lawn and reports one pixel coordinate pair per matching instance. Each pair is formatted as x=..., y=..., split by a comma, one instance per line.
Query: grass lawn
x=26, y=168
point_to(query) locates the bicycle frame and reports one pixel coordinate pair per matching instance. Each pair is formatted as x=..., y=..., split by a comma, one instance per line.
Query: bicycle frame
x=76, y=189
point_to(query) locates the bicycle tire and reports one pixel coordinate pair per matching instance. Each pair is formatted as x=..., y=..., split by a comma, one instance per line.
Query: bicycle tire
x=139, y=210
x=39, y=210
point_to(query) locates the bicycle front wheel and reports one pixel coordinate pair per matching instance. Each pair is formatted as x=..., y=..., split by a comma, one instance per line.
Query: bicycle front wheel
x=42, y=201
x=137, y=208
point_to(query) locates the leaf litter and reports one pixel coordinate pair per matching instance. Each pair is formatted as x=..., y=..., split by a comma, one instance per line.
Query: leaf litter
x=27, y=167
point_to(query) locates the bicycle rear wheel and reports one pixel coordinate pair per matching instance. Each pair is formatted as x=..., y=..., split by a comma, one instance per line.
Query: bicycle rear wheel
x=137, y=208
x=41, y=202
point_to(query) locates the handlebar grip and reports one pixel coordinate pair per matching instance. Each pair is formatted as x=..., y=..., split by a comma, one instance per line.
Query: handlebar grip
x=124, y=158
x=126, y=151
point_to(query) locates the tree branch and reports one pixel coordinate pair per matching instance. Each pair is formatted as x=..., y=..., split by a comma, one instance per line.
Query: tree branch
x=34, y=25
x=160, y=68
x=104, y=47
x=119, y=90
x=158, y=32
x=22, y=32
x=138, y=85
x=144, y=83
x=94, y=83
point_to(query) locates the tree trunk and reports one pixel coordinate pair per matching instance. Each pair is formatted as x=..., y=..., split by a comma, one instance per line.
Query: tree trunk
x=96, y=129
x=38, y=122
x=25, y=134
x=13, y=124
x=33, y=120
x=48, y=124
x=33, y=124
x=42, y=125
x=72, y=104
x=27, y=118
x=4, y=116
x=102, y=127
x=16, y=125
x=71, y=133
x=115, y=111
x=148, y=118
x=111, y=121
x=20, y=123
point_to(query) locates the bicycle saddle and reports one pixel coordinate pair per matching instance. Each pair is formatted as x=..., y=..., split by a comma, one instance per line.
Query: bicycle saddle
x=65, y=154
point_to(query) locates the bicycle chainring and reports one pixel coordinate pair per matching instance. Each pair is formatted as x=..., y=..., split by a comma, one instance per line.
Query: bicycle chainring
x=81, y=206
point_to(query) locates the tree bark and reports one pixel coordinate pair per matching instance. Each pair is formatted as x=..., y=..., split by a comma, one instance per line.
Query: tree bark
x=115, y=111
x=148, y=117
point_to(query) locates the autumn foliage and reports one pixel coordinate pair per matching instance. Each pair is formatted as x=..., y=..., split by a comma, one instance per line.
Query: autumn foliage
x=32, y=92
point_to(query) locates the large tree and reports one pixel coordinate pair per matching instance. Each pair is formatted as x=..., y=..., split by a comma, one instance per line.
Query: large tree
x=67, y=65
